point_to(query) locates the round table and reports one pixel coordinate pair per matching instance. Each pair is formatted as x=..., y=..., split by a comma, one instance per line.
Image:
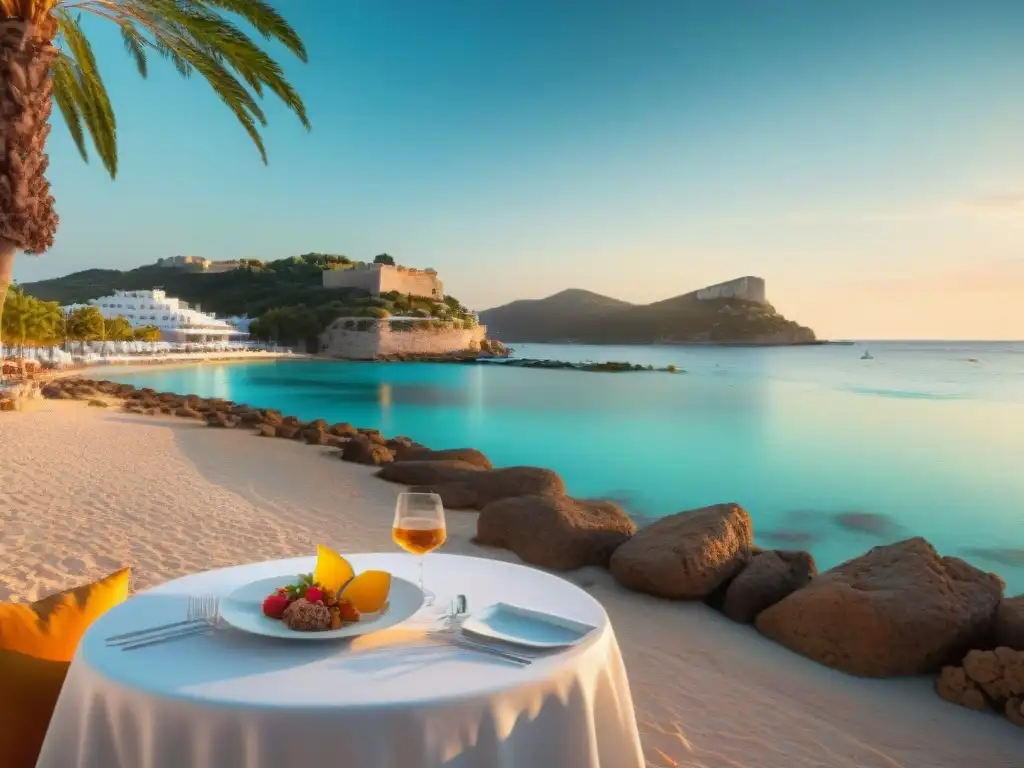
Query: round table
x=230, y=698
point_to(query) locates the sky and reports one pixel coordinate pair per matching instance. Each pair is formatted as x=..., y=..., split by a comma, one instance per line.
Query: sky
x=866, y=157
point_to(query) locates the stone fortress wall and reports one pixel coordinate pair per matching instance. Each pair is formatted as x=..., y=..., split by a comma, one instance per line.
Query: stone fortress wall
x=342, y=340
x=381, y=278
x=746, y=288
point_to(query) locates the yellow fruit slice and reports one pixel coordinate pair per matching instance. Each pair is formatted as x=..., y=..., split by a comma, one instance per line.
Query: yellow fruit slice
x=368, y=591
x=332, y=570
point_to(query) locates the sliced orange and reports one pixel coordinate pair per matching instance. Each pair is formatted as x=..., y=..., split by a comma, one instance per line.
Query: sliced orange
x=332, y=570
x=368, y=591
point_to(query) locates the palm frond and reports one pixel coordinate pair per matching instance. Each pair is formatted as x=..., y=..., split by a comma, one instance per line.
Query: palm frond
x=79, y=92
x=197, y=36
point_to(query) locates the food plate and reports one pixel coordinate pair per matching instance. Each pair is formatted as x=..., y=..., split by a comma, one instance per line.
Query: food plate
x=523, y=626
x=243, y=609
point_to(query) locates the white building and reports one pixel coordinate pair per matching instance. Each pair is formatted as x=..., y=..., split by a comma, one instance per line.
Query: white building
x=175, y=319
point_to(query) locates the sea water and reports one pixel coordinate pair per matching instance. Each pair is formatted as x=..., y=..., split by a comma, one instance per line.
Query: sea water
x=829, y=452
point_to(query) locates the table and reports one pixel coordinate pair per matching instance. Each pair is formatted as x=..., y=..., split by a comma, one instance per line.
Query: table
x=232, y=699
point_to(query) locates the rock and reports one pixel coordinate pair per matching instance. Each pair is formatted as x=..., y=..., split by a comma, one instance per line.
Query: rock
x=132, y=406
x=268, y=430
x=688, y=555
x=219, y=419
x=98, y=404
x=343, y=429
x=768, y=578
x=187, y=413
x=1009, y=623
x=249, y=418
x=334, y=441
x=1014, y=710
x=400, y=447
x=286, y=431
x=464, y=486
x=366, y=452
x=315, y=437
x=425, y=472
x=83, y=393
x=271, y=417
x=150, y=411
x=900, y=609
x=377, y=438
x=318, y=424
x=556, y=532
x=468, y=455
x=167, y=409
x=1000, y=673
x=954, y=685
x=53, y=391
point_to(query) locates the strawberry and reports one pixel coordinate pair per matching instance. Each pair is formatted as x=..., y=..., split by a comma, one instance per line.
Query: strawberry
x=314, y=594
x=274, y=605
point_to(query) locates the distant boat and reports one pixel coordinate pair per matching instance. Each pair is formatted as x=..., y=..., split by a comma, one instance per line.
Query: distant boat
x=866, y=356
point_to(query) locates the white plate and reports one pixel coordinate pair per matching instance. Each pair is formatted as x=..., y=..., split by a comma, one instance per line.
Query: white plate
x=243, y=609
x=523, y=626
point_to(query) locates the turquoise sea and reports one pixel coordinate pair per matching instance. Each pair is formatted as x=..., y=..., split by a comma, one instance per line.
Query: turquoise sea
x=827, y=451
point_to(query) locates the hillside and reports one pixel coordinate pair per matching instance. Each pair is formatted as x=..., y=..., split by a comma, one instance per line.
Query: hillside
x=536, y=319
x=589, y=318
x=287, y=295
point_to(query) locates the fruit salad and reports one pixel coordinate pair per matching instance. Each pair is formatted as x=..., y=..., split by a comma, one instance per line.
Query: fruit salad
x=331, y=597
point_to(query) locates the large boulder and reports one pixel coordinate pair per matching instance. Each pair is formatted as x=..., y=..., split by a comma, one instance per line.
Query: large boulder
x=426, y=472
x=900, y=609
x=314, y=436
x=467, y=455
x=287, y=431
x=465, y=486
x=363, y=451
x=556, y=532
x=186, y=413
x=769, y=577
x=220, y=419
x=686, y=556
x=1009, y=623
x=343, y=429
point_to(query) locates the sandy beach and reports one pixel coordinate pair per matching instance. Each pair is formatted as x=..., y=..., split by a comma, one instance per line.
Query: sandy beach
x=87, y=490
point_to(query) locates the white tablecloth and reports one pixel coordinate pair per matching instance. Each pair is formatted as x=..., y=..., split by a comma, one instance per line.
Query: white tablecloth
x=233, y=699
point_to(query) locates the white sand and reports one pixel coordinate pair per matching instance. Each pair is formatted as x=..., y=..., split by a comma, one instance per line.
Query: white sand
x=84, y=490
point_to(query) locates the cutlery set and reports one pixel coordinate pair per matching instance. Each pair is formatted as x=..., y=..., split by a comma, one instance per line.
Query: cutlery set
x=203, y=614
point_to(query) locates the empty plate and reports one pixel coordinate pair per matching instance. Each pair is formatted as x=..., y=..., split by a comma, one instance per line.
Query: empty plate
x=523, y=626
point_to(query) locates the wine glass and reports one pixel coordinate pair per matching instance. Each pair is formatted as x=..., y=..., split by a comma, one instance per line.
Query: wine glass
x=419, y=528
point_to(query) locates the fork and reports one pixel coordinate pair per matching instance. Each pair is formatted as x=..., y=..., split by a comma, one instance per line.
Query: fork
x=203, y=612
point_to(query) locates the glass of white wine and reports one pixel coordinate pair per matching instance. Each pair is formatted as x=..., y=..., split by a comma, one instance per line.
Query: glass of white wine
x=419, y=528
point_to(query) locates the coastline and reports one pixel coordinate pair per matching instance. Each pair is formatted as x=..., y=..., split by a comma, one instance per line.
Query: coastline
x=142, y=365
x=97, y=488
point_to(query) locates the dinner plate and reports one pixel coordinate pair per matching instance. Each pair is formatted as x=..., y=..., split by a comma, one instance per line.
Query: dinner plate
x=524, y=626
x=243, y=609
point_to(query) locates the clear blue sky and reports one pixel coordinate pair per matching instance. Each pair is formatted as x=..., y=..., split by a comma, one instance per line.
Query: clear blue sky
x=865, y=156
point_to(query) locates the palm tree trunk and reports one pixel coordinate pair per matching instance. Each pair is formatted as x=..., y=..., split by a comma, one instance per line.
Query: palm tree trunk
x=27, y=218
x=7, y=252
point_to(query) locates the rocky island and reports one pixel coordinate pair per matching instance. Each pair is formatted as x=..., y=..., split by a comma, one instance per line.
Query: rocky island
x=733, y=312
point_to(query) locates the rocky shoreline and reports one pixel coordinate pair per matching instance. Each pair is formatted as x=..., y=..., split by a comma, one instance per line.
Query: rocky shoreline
x=899, y=609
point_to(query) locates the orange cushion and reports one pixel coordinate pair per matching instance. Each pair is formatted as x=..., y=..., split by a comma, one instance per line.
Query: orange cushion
x=37, y=642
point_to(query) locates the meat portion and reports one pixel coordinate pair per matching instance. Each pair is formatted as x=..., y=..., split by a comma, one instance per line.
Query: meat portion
x=304, y=616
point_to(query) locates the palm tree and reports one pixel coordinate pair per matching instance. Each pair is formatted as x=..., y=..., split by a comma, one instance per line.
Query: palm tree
x=45, y=57
x=29, y=321
x=85, y=324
